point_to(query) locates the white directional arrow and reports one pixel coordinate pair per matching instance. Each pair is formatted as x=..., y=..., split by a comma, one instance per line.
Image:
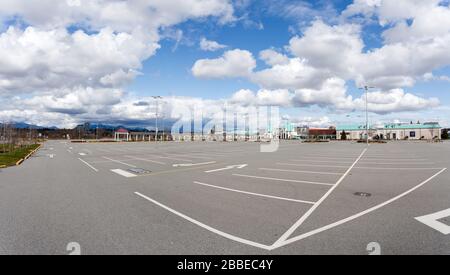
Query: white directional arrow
x=239, y=166
x=432, y=221
x=193, y=164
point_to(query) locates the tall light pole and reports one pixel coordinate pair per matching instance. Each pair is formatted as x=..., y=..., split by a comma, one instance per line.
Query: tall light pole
x=366, y=89
x=156, y=116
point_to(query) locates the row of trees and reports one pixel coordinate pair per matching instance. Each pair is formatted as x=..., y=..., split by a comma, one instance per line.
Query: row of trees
x=11, y=137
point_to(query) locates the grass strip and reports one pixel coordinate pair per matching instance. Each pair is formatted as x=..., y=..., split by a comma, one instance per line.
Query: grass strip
x=10, y=158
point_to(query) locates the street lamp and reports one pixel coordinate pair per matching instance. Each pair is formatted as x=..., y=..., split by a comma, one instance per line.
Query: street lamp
x=156, y=116
x=366, y=89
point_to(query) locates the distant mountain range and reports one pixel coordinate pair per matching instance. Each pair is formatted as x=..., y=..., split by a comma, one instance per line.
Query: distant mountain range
x=94, y=126
x=23, y=125
x=90, y=126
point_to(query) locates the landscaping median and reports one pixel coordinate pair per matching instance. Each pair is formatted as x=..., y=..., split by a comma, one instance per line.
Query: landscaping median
x=17, y=154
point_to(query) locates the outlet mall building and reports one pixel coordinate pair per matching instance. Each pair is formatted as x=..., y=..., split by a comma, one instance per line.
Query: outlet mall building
x=392, y=131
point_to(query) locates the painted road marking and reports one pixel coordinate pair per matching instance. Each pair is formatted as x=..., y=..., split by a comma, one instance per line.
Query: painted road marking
x=388, y=159
x=308, y=165
x=351, y=218
x=254, y=194
x=82, y=154
x=118, y=161
x=299, y=171
x=90, y=166
x=320, y=161
x=238, y=166
x=193, y=164
x=147, y=160
x=395, y=163
x=161, y=157
x=204, y=226
x=286, y=180
x=397, y=168
x=296, y=225
x=123, y=173
x=364, y=162
x=432, y=221
x=189, y=155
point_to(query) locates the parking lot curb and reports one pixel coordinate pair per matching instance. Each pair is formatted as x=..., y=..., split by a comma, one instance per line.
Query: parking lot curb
x=32, y=152
x=28, y=156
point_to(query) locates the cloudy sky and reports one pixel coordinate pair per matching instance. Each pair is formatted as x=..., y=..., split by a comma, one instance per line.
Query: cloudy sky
x=63, y=62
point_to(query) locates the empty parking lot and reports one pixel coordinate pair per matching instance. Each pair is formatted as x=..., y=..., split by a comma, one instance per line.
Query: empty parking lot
x=228, y=198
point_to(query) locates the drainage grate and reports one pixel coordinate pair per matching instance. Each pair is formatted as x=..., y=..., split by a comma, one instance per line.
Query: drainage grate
x=362, y=194
x=139, y=171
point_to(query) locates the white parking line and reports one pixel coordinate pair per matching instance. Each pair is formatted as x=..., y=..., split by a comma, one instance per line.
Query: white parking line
x=254, y=194
x=161, y=157
x=396, y=163
x=204, y=226
x=123, y=173
x=146, y=160
x=299, y=171
x=118, y=161
x=296, y=225
x=389, y=159
x=90, y=166
x=396, y=168
x=238, y=166
x=310, y=165
x=209, y=154
x=286, y=180
x=351, y=218
x=193, y=164
x=320, y=161
x=189, y=155
x=328, y=157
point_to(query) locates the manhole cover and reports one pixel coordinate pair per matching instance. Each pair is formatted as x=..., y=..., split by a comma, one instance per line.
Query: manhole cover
x=362, y=194
x=139, y=171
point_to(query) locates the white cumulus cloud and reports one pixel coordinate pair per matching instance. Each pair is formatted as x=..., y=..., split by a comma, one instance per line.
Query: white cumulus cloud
x=211, y=46
x=234, y=63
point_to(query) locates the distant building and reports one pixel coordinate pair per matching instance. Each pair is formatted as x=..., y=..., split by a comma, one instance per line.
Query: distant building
x=302, y=132
x=306, y=133
x=288, y=131
x=122, y=135
x=322, y=133
x=392, y=131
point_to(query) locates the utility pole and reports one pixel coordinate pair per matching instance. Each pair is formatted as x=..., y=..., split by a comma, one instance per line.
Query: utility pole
x=224, y=125
x=366, y=89
x=235, y=127
x=203, y=128
x=156, y=116
x=258, y=135
x=247, y=127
